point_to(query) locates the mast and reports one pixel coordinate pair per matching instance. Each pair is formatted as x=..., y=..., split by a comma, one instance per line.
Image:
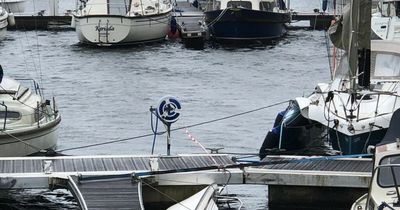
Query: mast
x=359, y=45
x=353, y=45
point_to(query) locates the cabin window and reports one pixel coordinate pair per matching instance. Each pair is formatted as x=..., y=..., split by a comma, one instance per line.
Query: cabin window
x=216, y=6
x=10, y=115
x=118, y=7
x=267, y=6
x=386, y=65
x=385, y=174
x=239, y=4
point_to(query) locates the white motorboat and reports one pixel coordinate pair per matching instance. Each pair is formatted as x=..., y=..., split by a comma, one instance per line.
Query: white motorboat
x=28, y=123
x=118, y=22
x=385, y=22
x=384, y=186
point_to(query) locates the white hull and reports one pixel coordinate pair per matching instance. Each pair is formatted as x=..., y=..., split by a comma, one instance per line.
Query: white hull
x=119, y=30
x=34, y=139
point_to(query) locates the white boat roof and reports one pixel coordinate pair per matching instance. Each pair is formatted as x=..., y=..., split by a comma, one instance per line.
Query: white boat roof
x=9, y=85
x=385, y=46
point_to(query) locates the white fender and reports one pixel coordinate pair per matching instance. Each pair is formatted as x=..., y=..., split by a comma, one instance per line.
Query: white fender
x=73, y=24
x=11, y=19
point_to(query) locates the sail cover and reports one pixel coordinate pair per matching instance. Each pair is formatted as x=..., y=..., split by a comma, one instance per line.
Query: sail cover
x=393, y=131
x=352, y=31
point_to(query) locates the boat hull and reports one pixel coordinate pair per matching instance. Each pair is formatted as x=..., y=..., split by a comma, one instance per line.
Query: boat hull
x=245, y=24
x=42, y=138
x=120, y=30
x=355, y=144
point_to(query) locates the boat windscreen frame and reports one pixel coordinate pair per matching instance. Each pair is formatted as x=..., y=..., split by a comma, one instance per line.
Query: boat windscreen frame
x=392, y=172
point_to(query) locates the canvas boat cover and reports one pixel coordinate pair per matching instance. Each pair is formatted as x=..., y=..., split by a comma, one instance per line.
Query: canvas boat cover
x=393, y=131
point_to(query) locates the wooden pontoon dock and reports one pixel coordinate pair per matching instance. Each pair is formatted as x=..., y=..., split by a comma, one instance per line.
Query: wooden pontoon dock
x=94, y=180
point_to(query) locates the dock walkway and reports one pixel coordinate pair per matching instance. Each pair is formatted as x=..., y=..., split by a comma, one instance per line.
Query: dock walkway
x=290, y=180
x=190, y=22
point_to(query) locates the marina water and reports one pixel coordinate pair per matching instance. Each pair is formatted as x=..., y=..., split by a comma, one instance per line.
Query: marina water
x=104, y=94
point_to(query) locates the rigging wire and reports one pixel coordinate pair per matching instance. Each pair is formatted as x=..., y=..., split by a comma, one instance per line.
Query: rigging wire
x=164, y=194
x=175, y=129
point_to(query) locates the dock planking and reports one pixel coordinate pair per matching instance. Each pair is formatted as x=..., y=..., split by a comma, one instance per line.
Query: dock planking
x=190, y=24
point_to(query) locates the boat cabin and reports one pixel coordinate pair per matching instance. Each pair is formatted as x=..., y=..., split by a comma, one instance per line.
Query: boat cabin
x=385, y=61
x=19, y=105
x=121, y=7
x=262, y=5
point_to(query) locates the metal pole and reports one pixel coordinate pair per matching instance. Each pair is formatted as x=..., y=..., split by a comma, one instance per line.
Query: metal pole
x=168, y=139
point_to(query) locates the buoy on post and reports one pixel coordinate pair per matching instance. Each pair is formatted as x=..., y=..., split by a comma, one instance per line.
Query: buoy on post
x=168, y=111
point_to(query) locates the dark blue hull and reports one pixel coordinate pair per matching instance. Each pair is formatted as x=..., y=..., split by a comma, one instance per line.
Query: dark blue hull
x=355, y=144
x=246, y=24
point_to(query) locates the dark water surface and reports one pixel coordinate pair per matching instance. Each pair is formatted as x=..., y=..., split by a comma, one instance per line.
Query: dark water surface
x=105, y=94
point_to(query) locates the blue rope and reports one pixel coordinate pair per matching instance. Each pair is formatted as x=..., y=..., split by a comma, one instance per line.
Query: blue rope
x=154, y=131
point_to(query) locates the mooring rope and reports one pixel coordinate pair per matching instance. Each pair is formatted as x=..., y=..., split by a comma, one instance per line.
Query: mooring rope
x=179, y=128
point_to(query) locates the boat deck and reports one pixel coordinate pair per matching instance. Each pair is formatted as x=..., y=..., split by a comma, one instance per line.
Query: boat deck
x=190, y=24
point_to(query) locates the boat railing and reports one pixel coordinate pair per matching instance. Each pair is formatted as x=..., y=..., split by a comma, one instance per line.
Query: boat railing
x=32, y=84
x=122, y=8
x=366, y=97
x=112, y=8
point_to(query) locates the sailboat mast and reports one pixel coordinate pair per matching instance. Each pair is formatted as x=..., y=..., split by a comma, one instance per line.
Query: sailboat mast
x=353, y=46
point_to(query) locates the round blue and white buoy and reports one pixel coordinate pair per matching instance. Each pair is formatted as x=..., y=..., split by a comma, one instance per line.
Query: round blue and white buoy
x=168, y=109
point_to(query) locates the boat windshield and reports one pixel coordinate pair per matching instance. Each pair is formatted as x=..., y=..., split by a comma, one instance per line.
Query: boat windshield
x=117, y=7
x=385, y=66
x=292, y=113
x=388, y=176
x=390, y=8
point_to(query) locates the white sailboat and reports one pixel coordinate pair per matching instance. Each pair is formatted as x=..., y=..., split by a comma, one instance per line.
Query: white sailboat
x=354, y=109
x=385, y=22
x=118, y=22
x=28, y=122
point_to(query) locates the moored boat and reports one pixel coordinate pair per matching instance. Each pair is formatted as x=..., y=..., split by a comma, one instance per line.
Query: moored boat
x=118, y=22
x=384, y=186
x=353, y=110
x=247, y=20
x=28, y=122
